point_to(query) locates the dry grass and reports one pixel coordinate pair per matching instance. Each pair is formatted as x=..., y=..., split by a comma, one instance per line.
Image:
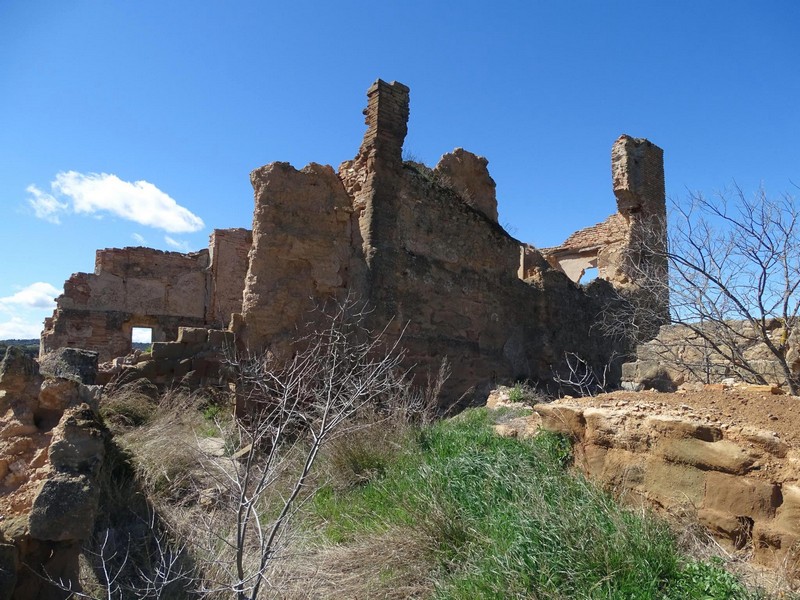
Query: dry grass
x=392, y=565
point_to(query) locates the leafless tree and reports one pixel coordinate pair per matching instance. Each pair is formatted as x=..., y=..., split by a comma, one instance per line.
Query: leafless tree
x=289, y=409
x=157, y=571
x=578, y=377
x=734, y=271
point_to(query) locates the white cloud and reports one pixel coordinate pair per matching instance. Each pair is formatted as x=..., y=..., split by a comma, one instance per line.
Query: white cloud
x=45, y=205
x=181, y=245
x=139, y=238
x=36, y=295
x=18, y=328
x=98, y=193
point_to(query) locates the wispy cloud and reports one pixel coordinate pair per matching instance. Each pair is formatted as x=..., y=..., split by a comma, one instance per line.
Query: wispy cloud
x=181, y=245
x=22, y=313
x=45, y=205
x=139, y=239
x=100, y=193
x=36, y=295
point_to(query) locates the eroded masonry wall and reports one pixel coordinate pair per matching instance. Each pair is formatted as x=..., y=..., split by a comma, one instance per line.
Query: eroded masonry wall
x=627, y=249
x=143, y=287
x=423, y=247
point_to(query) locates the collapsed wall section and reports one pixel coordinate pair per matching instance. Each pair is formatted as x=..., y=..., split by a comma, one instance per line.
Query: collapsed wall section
x=143, y=287
x=628, y=248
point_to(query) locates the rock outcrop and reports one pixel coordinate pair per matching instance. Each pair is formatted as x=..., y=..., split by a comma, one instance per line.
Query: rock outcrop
x=51, y=449
x=740, y=482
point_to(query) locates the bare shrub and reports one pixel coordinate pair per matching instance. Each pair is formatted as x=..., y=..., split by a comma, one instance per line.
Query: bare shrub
x=734, y=272
x=288, y=410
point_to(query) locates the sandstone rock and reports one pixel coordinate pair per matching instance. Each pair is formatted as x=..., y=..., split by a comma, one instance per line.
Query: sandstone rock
x=674, y=484
x=221, y=340
x=772, y=545
x=78, y=442
x=65, y=508
x=192, y=335
x=19, y=374
x=591, y=459
x=766, y=441
x=741, y=496
x=787, y=517
x=623, y=469
x=603, y=425
x=677, y=427
x=59, y=394
x=737, y=529
x=70, y=363
x=722, y=456
x=568, y=420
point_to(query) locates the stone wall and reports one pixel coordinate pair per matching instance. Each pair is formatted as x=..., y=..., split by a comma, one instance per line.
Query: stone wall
x=229, y=249
x=423, y=247
x=143, y=287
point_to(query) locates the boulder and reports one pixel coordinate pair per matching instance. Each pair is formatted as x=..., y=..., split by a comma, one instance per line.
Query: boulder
x=78, y=444
x=70, y=363
x=65, y=508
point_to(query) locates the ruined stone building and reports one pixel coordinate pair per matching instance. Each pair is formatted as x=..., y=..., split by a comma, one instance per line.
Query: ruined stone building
x=421, y=246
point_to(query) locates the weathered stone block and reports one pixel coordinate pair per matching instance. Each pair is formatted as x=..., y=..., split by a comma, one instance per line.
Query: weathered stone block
x=787, y=516
x=59, y=394
x=70, y=363
x=19, y=373
x=741, y=496
x=174, y=350
x=78, y=443
x=603, y=425
x=766, y=441
x=722, y=456
x=624, y=469
x=677, y=427
x=192, y=335
x=773, y=546
x=722, y=524
x=220, y=339
x=672, y=484
x=591, y=458
x=65, y=508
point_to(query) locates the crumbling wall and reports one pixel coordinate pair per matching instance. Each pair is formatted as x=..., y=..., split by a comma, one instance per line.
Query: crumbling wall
x=301, y=250
x=229, y=249
x=143, y=287
x=422, y=246
x=627, y=248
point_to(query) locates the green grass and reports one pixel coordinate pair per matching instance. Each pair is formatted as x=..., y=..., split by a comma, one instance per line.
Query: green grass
x=506, y=519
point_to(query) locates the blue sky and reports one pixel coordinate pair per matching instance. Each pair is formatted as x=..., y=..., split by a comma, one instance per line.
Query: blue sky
x=138, y=123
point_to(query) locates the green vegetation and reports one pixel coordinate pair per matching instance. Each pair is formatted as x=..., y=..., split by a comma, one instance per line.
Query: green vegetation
x=502, y=518
x=402, y=509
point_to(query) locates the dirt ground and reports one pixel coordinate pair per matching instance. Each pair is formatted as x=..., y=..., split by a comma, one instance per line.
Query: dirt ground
x=728, y=408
